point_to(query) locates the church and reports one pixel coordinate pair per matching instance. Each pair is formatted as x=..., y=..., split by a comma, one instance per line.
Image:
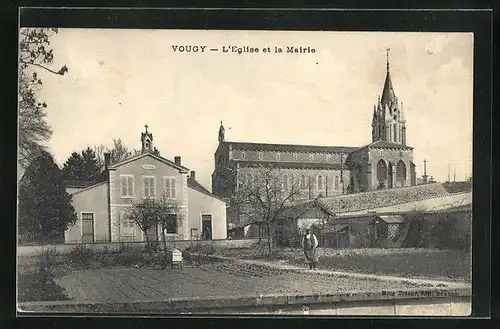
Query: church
x=102, y=206
x=325, y=171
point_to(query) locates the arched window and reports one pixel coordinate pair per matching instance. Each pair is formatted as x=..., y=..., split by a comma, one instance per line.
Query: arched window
x=261, y=156
x=285, y=182
x=249, y=178
x=311, y=157
x=295, y=156
x=382, y=174
x=320, y=183
x=328, y=158
x=336, y=182
x=401, y=173
x=242, y=154
x=278, y=156
x=303, y=182
x=395, y=137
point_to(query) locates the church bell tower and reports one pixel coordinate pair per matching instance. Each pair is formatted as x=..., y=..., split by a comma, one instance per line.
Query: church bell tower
x=146, y=141
x=388, y=122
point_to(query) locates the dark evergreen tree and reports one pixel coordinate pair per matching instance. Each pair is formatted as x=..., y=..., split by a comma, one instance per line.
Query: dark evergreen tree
x=84, y=166
x=45, y=209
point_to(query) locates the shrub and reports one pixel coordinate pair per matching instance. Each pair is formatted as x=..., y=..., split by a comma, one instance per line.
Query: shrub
x=124, y=247
x=80, y=256
x=47, y=258
x=208, y=249
x=39, y=286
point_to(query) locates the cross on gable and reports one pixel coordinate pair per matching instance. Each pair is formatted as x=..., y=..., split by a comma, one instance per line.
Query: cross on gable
x=146, y=126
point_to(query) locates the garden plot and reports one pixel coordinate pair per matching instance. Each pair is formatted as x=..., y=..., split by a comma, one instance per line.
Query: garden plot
x=217, y=279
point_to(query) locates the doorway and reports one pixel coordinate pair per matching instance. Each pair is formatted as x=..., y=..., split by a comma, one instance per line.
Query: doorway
x=206, y=227
x=87, y=227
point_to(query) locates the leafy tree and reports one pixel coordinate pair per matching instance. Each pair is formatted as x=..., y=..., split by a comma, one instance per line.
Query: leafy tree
x=263, y=196
x=118, y=152
x=151, y=213
x=35, y=53
x=45, y=209
x=82, y=166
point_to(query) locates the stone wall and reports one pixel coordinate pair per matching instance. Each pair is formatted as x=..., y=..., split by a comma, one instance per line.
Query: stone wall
x=28, y=251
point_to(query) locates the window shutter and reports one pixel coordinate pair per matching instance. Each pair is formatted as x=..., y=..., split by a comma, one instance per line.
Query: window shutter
x=173, y=187
x=123, y=183
x=130, y=186
x=167, y=187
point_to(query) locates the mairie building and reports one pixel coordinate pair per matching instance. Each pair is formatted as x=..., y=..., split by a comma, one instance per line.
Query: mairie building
x=326, y=171
x=102, y=206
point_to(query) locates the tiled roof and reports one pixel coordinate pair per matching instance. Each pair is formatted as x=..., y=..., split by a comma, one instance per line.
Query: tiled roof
x=195, y=185
x=290, y=147
x=157, y=157
x=88, y=188
x=381, y=198
x=384, y=144
x=289, y=165
x=78, y=183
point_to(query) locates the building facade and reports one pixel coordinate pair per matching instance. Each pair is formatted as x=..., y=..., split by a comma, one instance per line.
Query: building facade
x=102, y=208
x=325, y=171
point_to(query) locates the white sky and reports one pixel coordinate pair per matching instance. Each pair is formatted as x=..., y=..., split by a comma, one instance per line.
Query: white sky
x=120, y=80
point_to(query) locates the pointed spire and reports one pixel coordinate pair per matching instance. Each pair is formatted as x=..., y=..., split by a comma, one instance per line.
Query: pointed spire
x=388, y=96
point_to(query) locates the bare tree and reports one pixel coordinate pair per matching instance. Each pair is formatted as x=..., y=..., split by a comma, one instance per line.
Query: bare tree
x=263, y=195
x=157, y=214
x=99, y=154
x=34, y=53
x=119, y=151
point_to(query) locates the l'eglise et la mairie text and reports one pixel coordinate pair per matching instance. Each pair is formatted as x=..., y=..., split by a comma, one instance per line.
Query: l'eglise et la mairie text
x=248, y=49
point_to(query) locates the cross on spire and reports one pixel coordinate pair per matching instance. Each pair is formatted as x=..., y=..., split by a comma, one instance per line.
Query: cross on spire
x=146, y=126
x=387, y=50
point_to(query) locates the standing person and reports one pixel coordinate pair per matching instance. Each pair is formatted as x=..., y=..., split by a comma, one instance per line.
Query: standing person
x=310, y=243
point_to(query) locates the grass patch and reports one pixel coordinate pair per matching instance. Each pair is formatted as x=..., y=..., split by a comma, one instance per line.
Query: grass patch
x=444, y=264
x=36, y=282
x=430, y=263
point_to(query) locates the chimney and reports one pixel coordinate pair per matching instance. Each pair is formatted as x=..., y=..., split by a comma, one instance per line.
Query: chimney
x=177, y=160
x=193, y=176
x=107, y=158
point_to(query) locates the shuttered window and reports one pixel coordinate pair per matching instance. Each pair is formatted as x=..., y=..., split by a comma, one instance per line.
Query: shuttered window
x=127, y=186
x=169, y=187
